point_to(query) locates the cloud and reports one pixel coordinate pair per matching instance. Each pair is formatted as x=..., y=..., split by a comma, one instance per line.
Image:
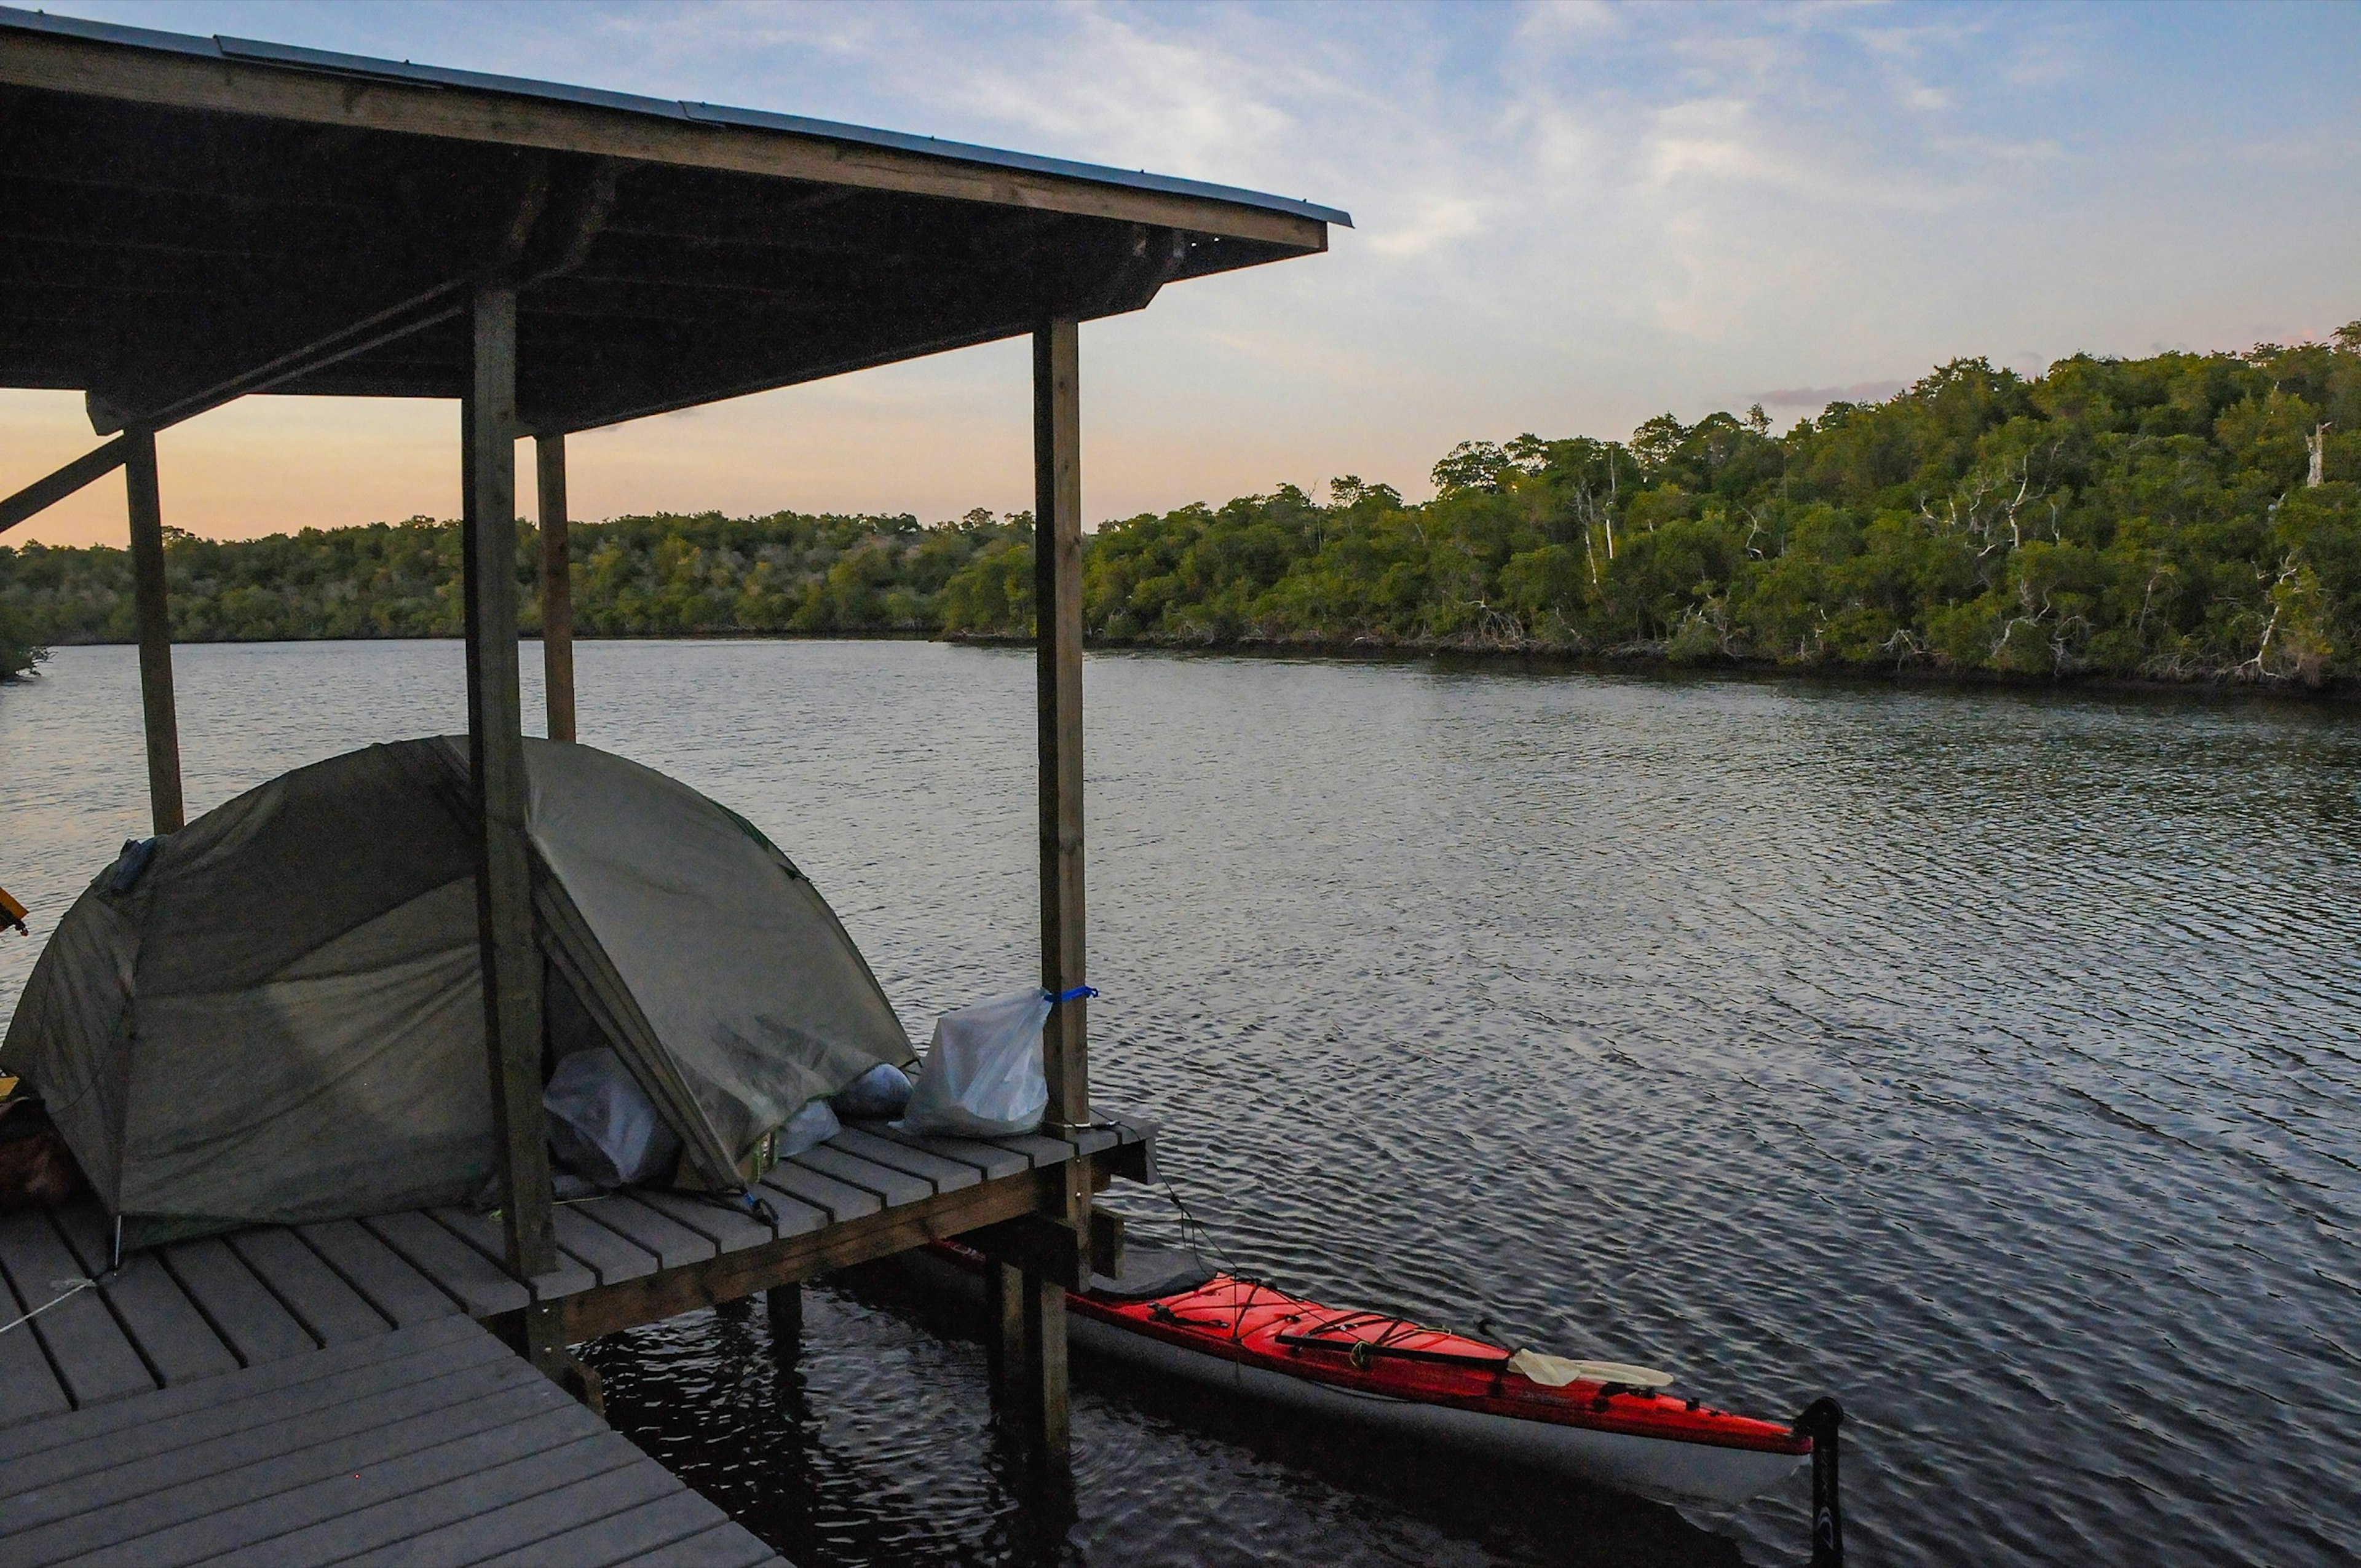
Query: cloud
x=1436, y=219
x=1820, y=397
x=1571, y=217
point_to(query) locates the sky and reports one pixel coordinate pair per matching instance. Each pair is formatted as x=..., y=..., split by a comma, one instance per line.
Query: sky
x=1568, y=218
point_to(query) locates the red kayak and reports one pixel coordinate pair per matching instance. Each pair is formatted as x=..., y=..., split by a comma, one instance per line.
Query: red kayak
x=1599, y=1421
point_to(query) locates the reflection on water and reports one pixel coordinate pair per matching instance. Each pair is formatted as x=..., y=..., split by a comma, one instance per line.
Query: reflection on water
x=1986, y=1059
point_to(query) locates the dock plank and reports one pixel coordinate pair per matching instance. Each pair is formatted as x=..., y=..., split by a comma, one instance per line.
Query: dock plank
x=95, y=1361
x=1130, y=1129
x=485, y=1234
x=598, y=1249
x=241, y=1308
x=330, y=1309
x=521, y=1532
x=723, y=1546
x=406, y=1519
x=892, y=1185
x=458, y=1268
x=638, y=1534
x=120, y=1467
x=29, y=1388
x=258, y=1398
x=375, y=1472
x=791, y=1214
x=165, y=1326
x=422, y=1445
x=726, y=1228
x=1133, y=1129
x=384, y=1278
x=673, y=1242
x=1041, y=1151
x=256, y=1382
x=837, y=1200
x=992, y=1161
x=134, y=1529
x=943, y=1175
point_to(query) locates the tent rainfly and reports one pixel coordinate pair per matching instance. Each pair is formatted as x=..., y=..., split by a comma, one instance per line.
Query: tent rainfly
x=299, y=970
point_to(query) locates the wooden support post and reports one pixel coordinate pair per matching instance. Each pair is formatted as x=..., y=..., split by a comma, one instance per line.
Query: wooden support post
x=1058, y=609
x=1049, y=1424
x=511, y=959
x=557, y=585
x=786, y=1303
x=1003, y=1334
x=1058, y=613
x=154, y=607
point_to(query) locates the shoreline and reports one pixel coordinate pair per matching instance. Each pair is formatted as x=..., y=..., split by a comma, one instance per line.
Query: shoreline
x=1637, y=661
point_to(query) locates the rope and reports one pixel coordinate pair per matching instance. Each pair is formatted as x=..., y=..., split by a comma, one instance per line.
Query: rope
x=1388, y=1342
x=74, y=1289
x=1255, y=1287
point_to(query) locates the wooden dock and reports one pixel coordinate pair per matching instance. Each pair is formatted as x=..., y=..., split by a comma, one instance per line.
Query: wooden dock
x=426, y=1444
x=203, y=1308
x=208, y=1399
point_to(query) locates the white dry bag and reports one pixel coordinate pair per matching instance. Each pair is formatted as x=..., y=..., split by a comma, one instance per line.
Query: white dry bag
x=982, y=1078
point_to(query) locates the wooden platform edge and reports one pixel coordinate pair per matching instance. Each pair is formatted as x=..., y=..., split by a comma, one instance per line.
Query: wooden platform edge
x=627, y=1304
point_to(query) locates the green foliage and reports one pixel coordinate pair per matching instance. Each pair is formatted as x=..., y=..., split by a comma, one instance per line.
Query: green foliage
x=2151, y=518
x=652, y=576
x=18, y=653
x=2145, y=518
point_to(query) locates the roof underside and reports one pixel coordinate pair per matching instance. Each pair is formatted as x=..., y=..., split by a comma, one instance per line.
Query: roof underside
x=187, y=220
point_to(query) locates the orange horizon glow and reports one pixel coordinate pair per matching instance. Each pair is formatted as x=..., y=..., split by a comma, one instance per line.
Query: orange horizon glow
x=1569, y=219
x=933, y=438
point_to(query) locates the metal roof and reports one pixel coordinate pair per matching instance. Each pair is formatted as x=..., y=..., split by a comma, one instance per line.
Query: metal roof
x=296, y=57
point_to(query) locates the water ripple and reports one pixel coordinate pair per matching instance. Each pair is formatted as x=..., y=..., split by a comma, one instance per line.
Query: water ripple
x=1987, y=1058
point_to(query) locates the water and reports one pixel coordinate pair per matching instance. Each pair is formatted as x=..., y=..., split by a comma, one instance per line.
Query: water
x=1987, y=1060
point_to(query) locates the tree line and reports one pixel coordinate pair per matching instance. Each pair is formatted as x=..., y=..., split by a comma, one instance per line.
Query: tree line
x=2183, y=517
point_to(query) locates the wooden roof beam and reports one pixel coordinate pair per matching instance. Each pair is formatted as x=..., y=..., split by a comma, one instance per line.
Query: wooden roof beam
x=60, y=63
x=44, y=493
x=781, y=345
x=129, y=182
x=438, y=303
x=552, y=221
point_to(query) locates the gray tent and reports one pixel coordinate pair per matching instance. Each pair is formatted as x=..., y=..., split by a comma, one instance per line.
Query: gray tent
x=276, y=1015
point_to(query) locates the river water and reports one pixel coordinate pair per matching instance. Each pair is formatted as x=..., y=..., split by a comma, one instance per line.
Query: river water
x=1988, y=1059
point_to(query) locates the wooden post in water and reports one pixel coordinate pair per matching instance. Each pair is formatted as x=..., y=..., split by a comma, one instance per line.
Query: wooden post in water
x=1004, y=1333
x=557, y=585
x=1051, y=1423
x=786, y=1305
x=511, y=959
x=1058, y=610
x=154, y=607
